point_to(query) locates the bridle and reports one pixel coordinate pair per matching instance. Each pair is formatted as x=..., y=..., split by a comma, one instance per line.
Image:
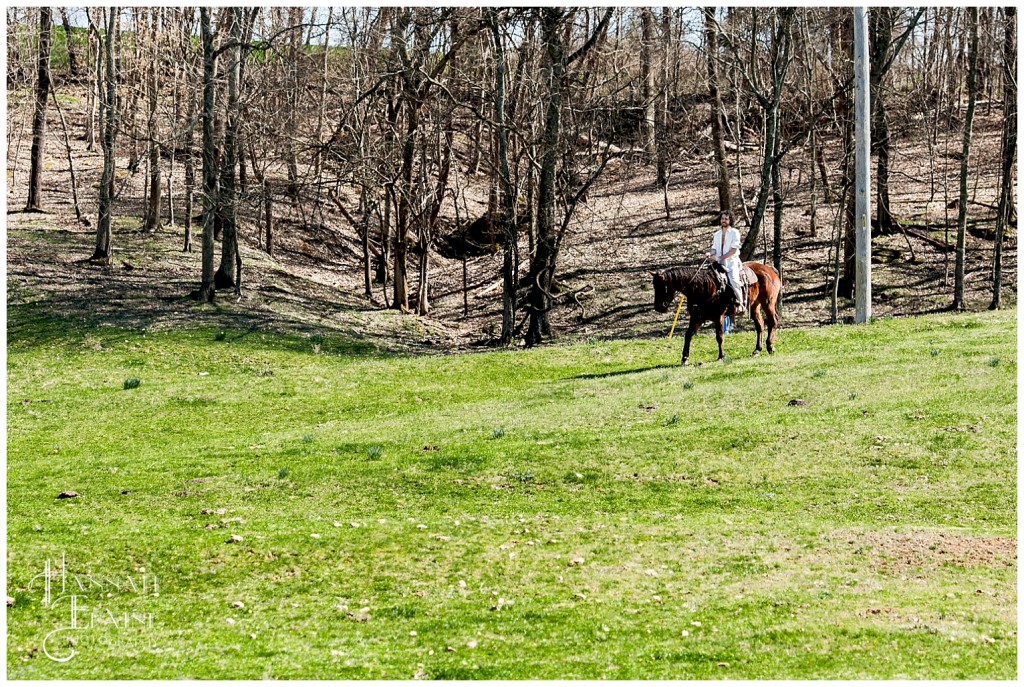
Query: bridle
x=703, y=265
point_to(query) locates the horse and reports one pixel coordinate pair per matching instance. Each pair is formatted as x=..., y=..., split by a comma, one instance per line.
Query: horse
x=706, y=300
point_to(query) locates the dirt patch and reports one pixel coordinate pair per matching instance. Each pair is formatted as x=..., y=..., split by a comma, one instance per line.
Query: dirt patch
x=898, y=552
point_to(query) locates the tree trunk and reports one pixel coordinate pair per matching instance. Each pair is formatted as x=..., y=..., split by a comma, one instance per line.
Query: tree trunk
x=268, y=216
x=780, y=63
x=400, y=294
x=108, y=124
x=152, y=222
x=206, y=288
x=364, y=205
x=881, y=21
x=95, y=77
x=506, y=209
x=544, y=256
x=661, y=115
x=71, y=160
x=295, y=21
x=777, y=213
x=845, y=112
x=72, y=53
x=190, y=167
x=1006, y=195
x=711, y=40
x=647, y=80
x=959, y=302
x=228, y=200
x=35, y=178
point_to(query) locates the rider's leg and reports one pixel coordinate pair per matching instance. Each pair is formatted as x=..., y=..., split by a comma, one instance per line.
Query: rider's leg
x=736, y=284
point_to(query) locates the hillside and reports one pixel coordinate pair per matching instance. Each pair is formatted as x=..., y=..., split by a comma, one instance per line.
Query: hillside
x=313, y=283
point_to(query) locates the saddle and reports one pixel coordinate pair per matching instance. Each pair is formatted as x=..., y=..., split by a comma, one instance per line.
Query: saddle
x=746, y=274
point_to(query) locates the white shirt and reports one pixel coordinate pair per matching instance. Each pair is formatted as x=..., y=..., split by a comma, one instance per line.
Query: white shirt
x=732, y=240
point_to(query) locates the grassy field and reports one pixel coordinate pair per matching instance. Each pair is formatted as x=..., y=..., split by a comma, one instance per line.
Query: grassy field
x=844, y=509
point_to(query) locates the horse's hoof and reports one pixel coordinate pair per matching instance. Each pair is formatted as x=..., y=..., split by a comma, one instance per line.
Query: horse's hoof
x=757, y=351
x=684, y=363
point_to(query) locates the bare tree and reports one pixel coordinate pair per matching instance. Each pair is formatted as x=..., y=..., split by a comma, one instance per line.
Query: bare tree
x=769, y=102
x=108, y=136
x=73, y=68
x=206, y=287
x=35, y=177
x=647, y=79
x=711, y=42
x=961, y=221
x=152, y=219
x=227, y=275
x=1009, y=149
x=542, y=267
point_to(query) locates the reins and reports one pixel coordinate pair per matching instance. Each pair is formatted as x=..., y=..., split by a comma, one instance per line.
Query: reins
x=682, y=297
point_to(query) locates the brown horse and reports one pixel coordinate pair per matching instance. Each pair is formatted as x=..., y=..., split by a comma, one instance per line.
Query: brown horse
x=707, y=301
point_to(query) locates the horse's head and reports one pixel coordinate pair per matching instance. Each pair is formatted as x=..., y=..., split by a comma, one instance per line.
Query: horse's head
x=663, y=292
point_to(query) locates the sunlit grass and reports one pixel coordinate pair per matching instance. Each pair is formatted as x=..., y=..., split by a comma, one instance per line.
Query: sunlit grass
x=578, y=511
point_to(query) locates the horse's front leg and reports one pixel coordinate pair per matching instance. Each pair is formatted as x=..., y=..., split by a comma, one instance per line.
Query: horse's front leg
x=690, y=331
x=719, y=335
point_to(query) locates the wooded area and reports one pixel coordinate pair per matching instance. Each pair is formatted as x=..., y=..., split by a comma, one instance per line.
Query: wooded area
x=420, y=137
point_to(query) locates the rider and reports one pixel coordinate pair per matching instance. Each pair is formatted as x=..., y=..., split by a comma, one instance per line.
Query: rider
x=725, y=249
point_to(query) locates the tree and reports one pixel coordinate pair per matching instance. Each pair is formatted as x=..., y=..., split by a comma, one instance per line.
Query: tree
x=228, y=273
x=206, y=287
x=542, y=267
x=1009, y=149
x=647, y=80
x=769, y=102
x=70, y=43
x=35, y=178
x=414, y=57
x=152, y=219
x=884, y=50
x=711, y=40
x=506, y=210
x=108, y=136
x=961, y=221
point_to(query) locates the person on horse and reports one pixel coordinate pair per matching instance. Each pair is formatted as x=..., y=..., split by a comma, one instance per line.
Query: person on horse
x=725, y=250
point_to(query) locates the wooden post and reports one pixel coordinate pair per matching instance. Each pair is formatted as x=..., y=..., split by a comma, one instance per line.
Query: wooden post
x=862, y=283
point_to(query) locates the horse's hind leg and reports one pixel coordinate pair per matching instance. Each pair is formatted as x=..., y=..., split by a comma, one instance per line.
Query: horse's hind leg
x=773, y=324
x=755, y=314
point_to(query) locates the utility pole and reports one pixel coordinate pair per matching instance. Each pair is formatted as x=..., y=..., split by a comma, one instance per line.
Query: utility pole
x=862, y=109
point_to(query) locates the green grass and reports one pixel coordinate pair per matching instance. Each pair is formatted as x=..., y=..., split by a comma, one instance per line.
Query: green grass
x=631, y=518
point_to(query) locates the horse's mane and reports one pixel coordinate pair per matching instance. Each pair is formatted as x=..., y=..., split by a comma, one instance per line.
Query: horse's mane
x=694, y=281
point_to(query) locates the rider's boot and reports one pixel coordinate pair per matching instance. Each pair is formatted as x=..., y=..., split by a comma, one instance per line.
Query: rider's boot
x=739, y=306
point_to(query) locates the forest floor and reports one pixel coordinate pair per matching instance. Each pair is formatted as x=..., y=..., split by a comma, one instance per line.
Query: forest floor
x=313, y=283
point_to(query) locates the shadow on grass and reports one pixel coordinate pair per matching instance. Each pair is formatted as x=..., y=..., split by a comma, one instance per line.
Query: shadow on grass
x=28, y=327
x=619, y=373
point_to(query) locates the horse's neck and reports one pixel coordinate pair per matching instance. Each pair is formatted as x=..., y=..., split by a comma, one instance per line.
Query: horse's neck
x=687, y=279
